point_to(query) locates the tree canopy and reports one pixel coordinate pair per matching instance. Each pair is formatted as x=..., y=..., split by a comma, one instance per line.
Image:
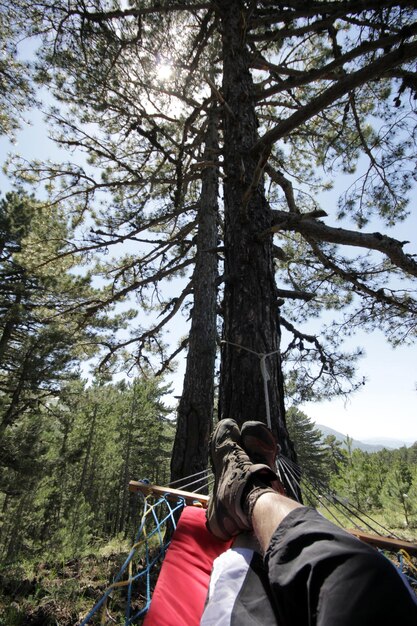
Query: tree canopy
x=305, y=93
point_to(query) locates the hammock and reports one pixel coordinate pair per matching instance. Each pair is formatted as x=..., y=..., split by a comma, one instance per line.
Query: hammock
x=188, y=561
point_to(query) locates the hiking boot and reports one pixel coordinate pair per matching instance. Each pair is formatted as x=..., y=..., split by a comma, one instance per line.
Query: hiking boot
x=261, y=446
x=238, y=482
x=259, y=443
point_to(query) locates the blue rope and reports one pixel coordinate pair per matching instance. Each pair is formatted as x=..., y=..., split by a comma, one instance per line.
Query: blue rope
x=161, y=554
x=404, y=571
x=149, y=512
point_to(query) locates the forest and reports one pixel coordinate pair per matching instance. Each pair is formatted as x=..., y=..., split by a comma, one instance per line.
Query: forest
x=382, y=483
x=220, y=184
x=68, y=519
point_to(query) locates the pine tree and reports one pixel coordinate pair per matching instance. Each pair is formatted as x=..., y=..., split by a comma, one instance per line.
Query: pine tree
x=16, y=89
x=396, y=490
x=69, y=491
x=305, y=92
x=44, y=331
x=308, y=444
x=335, y=453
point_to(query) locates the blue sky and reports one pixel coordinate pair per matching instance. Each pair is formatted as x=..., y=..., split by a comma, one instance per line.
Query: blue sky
x=386, y=405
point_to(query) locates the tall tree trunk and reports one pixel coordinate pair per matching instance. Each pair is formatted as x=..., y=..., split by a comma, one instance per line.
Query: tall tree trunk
x=122, y=506
x=15, y=408
x=251, y=319
x=82, y=486
x=53, y=510
x=10, y=325
x=195, y=410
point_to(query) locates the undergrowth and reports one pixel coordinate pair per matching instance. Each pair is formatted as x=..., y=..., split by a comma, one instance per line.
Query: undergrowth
x=51, y=593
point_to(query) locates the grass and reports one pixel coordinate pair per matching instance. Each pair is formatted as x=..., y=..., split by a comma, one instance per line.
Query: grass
x=50, y=593
x=385, y=522
x=61, y=593
x=58, y=594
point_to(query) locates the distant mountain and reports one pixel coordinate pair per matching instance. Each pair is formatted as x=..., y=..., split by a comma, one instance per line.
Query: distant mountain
x=388, y=443
x=369, y=446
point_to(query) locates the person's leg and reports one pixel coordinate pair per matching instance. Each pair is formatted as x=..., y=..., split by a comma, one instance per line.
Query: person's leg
x=319, y=574
x=236, y=480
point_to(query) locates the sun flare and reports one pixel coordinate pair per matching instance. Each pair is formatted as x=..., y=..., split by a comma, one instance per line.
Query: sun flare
x=164, y=71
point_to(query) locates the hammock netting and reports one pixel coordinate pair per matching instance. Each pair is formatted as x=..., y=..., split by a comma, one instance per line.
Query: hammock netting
x=137, y=575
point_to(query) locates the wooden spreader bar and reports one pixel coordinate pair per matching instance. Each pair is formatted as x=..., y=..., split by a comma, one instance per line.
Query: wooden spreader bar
x=170, y=493
x=385, y=543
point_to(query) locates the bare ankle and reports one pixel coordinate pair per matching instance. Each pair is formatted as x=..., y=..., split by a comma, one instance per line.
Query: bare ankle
x=269, y=511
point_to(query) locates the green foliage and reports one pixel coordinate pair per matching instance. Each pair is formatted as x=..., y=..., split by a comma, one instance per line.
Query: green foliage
x=67, y=450
x=307, y=439
x=16, y=90
x=355, y=478
x=143, y=139
x=43, y=328
x=88, y=446
x=335, y=454
x=397, y=491
x=382, y=483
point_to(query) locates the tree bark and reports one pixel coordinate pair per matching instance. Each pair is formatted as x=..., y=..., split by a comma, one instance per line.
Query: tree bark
x=15, y=409
x=122, y=505
x=251, y=318
x=195, y=410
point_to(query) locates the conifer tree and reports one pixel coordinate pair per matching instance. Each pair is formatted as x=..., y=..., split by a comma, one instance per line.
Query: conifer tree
x=16, y=88
x=43, y=333
x=69, y=492
x=308, y=444
x=397, y=488
x=306, y=91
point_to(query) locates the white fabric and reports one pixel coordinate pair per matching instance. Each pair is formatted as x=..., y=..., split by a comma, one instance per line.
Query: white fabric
x=227, y=577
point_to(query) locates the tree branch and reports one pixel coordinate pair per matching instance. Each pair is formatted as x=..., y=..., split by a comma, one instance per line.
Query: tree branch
x=100, y=16
x=175, y=305
x=379, y=295
x=319, y=231
x=403, y=53
x=295, y=295
x=119, y=295
x=331, y=71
